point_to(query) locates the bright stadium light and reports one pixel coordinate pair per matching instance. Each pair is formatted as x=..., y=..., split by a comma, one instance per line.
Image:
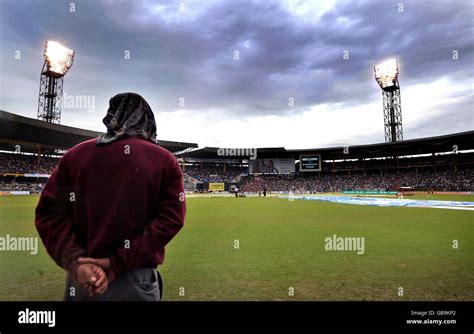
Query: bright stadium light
x=57, y=62
x=386, y=75
x=58, y=57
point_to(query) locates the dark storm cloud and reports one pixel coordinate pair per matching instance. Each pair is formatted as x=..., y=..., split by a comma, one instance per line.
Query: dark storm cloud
x=281, y=55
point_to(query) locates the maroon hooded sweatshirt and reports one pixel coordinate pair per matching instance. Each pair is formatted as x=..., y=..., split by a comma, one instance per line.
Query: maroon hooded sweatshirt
x=124, y=200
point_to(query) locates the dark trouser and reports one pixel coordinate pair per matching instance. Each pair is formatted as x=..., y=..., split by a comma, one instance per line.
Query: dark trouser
x=142, y=284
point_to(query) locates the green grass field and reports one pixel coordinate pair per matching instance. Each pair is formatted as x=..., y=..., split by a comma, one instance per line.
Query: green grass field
x=281, y=246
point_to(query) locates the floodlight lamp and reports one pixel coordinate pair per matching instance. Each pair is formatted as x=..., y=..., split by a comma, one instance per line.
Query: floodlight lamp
x=386, y=73
x=58, y=57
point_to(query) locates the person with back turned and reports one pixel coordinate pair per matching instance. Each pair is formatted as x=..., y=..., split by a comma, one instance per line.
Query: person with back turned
x=111, y=206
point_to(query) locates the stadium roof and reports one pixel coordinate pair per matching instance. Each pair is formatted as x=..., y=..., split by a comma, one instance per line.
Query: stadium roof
x=33, y=135
x=211, y=154
x=438, y=144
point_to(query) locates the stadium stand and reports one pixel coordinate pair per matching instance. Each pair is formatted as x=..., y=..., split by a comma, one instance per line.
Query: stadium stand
x=29, y=150
x=215, y=172
x=442, y=163
x=440, y=181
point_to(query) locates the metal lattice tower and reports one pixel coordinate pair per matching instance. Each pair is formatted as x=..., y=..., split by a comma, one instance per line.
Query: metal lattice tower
x=50, y=95
x=392, y=114
x=386, y=75
x=57, y=62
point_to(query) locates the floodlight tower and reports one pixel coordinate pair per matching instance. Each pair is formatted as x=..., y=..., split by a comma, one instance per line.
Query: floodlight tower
x=386, y=75
x=57, y=61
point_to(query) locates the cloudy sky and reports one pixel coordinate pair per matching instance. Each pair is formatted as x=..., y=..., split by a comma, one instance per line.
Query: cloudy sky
x=224, y=73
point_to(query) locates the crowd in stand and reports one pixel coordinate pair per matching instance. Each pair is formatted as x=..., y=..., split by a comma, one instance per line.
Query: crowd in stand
x=440, y=181
x=214, y=172
x=425, y=179
x=21, y=186
x=24, y=164
x=441, y=159
x=17, y=163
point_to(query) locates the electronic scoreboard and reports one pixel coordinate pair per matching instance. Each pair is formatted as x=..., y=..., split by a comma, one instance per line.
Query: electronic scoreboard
x=310, y=162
